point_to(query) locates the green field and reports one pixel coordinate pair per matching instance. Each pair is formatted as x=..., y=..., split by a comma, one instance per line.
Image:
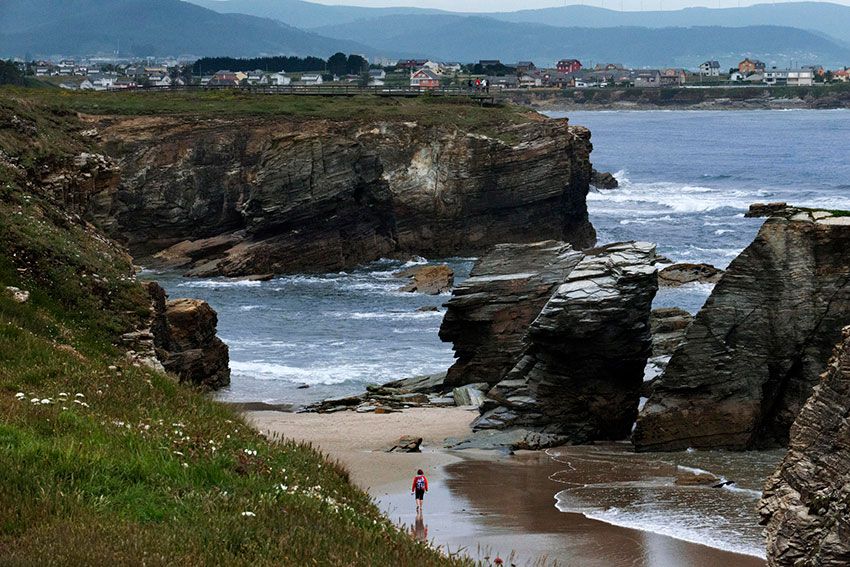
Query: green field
x=106, y=463
x=459, y=111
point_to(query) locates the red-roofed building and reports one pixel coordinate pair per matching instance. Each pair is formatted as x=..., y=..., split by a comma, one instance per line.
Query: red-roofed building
x=568, y=65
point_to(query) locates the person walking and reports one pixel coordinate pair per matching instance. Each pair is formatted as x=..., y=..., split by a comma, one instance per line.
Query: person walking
x=419, y=488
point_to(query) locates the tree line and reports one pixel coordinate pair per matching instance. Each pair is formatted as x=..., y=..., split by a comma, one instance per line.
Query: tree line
x=336, y=64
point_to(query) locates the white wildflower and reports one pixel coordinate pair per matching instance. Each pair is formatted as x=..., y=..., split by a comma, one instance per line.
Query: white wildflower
x=20, y=395
x=34, y=400
x=46, y=401
x=78, y=395
x=248, y=514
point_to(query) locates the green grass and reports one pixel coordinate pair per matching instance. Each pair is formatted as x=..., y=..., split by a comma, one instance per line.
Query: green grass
x=121, y=465
x=429, y=110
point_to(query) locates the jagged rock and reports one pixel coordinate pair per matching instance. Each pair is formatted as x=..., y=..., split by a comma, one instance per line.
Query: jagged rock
x=406, y=444
x=582, y=369
x=684, y=273
x=244, y=195
x=424, y=384
x=603, y=180
x=430, y=280
x=765, y=209
x=753, y=353
x=490, y=312
x=668, y=325
x=18, y=295
x=427, y=308
x=183, y=333
x=806, y=503
x=470, y=395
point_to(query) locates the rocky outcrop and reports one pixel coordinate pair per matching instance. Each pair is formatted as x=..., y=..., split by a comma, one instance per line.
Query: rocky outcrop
x=243, y=195
x=430, y=280
x=685, y=273
x=183, y=333
x=562, y=337
x=806, y=503
x=755, y=350
x=490, y=312
x=603, y=180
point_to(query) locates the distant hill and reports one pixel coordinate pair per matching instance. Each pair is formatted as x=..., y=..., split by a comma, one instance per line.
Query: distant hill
x=306, y=14
x=150, y=27
x=824, y=17
x=470, y=38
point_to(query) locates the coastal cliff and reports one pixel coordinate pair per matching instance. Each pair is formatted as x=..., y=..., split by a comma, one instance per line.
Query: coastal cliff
x=99, y=445
x=558, y=339
x=245, y=195
x=806, y=503
x=755, y=350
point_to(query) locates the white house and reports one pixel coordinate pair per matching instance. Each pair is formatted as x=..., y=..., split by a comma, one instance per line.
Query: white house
x=736, y=77
x=159, y=80
x=775, y=76
x=801, y=78
x=257, y=77
x=530, y=81
x=311, y=78
x=377, y=74
x=710, y=69
x=280, y=79
x=433, y=66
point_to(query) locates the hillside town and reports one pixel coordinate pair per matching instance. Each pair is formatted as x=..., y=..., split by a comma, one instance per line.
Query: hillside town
x=423, y=74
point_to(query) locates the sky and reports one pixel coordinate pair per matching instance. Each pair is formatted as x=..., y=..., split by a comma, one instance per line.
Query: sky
x=508, y=5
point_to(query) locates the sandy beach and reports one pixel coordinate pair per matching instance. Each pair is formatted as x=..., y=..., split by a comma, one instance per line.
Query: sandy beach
x=484, y=503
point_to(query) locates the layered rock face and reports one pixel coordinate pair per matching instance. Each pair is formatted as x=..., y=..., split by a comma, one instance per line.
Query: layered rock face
x=490, y=312
x=806, y=503
x=185, y=341
x=755, y=350
x=562, y=336
x=245, y=195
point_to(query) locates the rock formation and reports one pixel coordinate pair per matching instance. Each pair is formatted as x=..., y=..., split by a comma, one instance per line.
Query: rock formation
x=685, y=273
x=755, y=350
x=430, y=280
x=183, y=332
x=562, y=336
x=603, y=180
x=490, y=312
x=806, y=503
x=243, y=195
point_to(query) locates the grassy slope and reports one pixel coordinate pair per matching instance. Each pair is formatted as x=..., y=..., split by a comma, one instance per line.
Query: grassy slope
x=120, y=465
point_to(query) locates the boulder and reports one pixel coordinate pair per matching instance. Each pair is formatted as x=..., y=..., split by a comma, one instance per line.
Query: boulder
x=754, y=352
x=562, y=336
x=806, y=502
x=603, y=180
x=685, y=273
x=430, y=280
x=406, y=444
x=470, y=395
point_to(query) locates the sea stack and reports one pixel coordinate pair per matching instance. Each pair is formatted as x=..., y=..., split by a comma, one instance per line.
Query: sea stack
x=755, y=350
x=562, y=336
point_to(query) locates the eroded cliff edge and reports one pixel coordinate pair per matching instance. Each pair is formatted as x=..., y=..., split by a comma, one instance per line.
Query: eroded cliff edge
x=245, y=195
x=806, y=503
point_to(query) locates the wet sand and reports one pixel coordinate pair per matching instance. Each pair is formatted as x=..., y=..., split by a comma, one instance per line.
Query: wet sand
x=484, y=503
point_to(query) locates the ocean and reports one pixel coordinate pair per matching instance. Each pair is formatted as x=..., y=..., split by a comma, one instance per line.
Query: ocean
x=686, y=179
